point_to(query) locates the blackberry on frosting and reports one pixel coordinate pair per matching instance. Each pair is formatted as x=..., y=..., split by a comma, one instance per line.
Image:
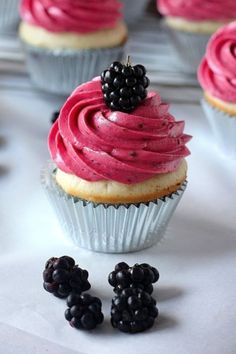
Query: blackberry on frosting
x=124, y=86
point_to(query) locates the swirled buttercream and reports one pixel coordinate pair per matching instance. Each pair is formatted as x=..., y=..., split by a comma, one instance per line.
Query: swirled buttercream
x=217, y=71
x=199, y=10
x=94, y=143
x=71, y=15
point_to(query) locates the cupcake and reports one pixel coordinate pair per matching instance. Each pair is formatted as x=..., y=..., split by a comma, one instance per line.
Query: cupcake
x=68, y=42
x=119, y=166
x=9, y=16
x=133, y=10
x=217, y=76
x=191, y=24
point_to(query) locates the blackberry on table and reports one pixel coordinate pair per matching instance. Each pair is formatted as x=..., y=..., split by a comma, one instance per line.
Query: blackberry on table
x=124, y=86
x=84, y=311
x=133, y=310
x=140, y=276
x=61, y=277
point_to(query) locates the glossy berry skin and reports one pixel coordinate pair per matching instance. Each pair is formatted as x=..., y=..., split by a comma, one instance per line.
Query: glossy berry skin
x=61, y=277
x=124, y=86
x=133, y=310
x=140, y=276
x=54, y=117
x=84, y=311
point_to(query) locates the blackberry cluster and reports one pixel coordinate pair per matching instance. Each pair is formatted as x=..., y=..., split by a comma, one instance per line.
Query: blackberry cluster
x=54, y=117
x=134, y=310
x=140, y=276
x=124, y=86
x=84, y=311
x=61, y=277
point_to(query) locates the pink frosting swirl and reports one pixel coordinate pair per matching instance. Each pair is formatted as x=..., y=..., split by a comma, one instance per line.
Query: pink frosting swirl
x=94, y=143
x=217, y=71
x=199, y=10
x=80, y=16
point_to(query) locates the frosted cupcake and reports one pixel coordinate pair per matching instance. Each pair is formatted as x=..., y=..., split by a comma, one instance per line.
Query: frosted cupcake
x=9, y=16
x=69, y=42
x=217, y=76
x=133, y=10
x=119, y=169
x=191, y=24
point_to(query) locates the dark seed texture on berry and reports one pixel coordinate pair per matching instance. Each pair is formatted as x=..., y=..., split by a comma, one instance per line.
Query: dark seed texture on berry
x=140, y=276
x=124, y=86
x=133, y=310
x=61, y=277
x=84, y=311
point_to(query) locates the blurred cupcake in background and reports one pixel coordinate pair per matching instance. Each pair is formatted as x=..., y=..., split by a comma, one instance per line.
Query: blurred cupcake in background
x=217, y=76
x=9, y=15
x=69, y=42
x=133, y=10
x=119, y=167
x=192, y=22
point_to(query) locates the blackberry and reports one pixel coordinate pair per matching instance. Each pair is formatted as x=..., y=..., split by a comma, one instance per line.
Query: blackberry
x=133, y=310
x=61, y=277
x=140, y=276
x=124, y=86
x=54, y=116
x=84, y=311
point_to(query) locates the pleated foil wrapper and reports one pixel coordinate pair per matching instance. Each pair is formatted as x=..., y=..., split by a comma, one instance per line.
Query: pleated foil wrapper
x=190, y=48
x=61, y=71
x=110, y=228
x=133, y=10
x=223, y=126
x=9, y=15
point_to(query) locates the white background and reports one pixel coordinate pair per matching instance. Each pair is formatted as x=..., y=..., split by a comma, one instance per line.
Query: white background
x=196, y=260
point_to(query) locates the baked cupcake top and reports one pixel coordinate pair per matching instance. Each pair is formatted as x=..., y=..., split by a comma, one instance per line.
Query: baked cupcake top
x=80, y=16
x=92, y=142
x=217, y=71
x=199, y=10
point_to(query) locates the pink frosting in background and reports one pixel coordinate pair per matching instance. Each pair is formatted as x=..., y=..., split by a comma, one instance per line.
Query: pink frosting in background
x=217, y=71
x=94, y=143
x=199, y=10
x=81, y=16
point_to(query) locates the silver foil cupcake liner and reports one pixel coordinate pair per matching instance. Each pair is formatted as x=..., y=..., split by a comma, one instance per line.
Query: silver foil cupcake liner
x=9, y=15
x=133, y=10
x=61, y=71
x=224, y=128
x=110, y=228
x=190, y=48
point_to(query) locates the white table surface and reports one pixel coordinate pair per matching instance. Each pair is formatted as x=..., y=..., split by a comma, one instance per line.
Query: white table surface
x=196, y=260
